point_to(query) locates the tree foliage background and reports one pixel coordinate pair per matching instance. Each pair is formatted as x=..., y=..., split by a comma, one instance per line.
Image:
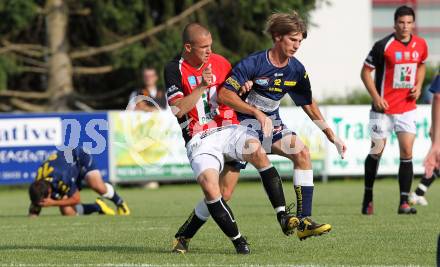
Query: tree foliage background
x=104, y=80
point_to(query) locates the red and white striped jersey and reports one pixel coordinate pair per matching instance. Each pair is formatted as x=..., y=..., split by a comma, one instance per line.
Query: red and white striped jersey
x=180, y=80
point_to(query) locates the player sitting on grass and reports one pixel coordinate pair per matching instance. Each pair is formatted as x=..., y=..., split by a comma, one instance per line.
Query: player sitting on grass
x=59, y=180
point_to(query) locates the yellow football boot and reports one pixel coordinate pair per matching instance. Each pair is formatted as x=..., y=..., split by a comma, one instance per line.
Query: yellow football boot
x=308, y=228
x=106, y=210
x=123, y=209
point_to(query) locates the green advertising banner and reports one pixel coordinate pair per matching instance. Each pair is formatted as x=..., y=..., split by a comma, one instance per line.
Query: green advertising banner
x=149, y=147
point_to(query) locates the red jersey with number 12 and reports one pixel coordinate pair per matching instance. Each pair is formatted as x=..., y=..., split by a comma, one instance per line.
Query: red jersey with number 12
x=396, y=66
x=180, y=80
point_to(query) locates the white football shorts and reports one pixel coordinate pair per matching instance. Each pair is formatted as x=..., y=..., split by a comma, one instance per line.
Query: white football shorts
x=223, y=144
x=381, y=125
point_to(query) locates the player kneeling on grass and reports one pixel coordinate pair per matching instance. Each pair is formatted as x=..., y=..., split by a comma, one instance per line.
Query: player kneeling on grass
x=59, y=181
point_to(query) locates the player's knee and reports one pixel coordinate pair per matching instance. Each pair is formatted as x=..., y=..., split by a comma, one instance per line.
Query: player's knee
x=258, y=157
x=227, y=194
x=209, y=183
x=406, y=154
x=302, y=158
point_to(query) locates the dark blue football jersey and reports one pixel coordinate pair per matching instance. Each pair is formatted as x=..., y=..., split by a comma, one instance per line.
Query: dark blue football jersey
x=435, y=85
x=270, y=83
x=66, y=171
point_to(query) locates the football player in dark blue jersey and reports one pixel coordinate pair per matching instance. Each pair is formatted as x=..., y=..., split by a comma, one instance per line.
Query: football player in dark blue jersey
x=432, y=160
x=59, y=180
x=255, y=88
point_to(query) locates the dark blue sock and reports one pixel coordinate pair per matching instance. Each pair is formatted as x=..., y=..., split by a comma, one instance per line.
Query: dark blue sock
x=304, y=199
x=91, y=208
x=117, y=199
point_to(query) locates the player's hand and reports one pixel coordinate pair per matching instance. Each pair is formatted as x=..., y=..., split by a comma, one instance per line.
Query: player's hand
x=247, y=86
x=207, y=76
x=47, y=202
x=380, y=104
x=340, y=146
x=415, y=92
x=432, y=160
x=265, y=121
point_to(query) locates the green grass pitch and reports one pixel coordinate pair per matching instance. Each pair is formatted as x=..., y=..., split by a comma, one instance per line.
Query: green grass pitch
x=144, y=239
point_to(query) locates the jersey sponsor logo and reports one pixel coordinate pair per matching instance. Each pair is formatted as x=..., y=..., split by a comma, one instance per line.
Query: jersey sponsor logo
x=192, y=81
x=406, y=55
x=404, y=75
x=233, y=82
x=172, y=89
x=207, y=117
x=278, y=74
x=289, y=83
x=261, y=102
x=207, y=106
x=262, y=81
x=275, y=89
x=415, y=55
x=398, y=56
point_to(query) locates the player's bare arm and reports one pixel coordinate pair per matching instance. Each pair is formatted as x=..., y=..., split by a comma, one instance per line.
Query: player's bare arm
x=70, y=201
x=379, y=102
x=232, y=100
x=432, y=159
x=182, y=106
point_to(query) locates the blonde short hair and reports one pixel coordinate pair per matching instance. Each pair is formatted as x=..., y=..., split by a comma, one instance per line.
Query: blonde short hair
x=279, y=24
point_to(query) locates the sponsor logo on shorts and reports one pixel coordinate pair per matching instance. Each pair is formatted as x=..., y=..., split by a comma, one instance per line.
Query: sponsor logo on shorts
x=376, y=129
x=211, y=131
